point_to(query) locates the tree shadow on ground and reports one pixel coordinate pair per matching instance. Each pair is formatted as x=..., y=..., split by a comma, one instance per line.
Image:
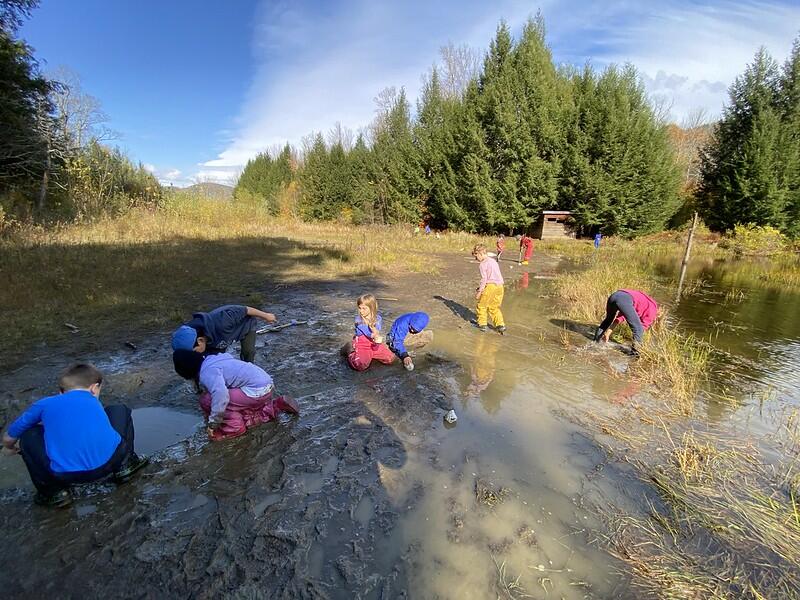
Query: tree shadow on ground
x=585, y=329
x=457, y=309
x=119, y=292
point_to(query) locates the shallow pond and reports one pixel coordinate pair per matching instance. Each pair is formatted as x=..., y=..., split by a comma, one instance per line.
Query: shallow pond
x=369, y=493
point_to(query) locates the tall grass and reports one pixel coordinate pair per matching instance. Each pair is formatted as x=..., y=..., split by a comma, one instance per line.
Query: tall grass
x=125, y=276
x=726, y=524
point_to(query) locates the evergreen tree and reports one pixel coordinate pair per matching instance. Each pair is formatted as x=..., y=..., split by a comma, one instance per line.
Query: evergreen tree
x=396, y=170
x=435, y=130
x=619, y=171
x=24, y=103
x=744, y=174
x=789, y=107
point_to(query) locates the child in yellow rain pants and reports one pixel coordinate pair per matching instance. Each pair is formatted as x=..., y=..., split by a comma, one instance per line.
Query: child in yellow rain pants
x=490, y=291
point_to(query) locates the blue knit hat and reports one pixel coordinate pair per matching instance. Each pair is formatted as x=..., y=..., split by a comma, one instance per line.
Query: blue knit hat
x=418, y=321
x=184, y=338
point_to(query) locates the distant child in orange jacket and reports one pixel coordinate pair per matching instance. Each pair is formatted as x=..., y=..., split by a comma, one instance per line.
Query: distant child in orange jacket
x=526, y=246
x=501, y=245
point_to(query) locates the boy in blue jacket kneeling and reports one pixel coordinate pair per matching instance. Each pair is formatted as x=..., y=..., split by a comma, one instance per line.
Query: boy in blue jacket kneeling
x=408, y=324
x=71, y=438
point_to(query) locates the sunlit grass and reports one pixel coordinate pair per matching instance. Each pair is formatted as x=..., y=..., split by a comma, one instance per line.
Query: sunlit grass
x=123, y=277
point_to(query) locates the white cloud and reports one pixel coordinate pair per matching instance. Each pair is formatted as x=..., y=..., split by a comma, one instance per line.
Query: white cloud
x=688, y=53
x=318, y=69
x=149, y=168
x=172, y=174
x=314, y=69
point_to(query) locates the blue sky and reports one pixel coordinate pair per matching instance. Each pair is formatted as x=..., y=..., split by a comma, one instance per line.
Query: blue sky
x=196, y=88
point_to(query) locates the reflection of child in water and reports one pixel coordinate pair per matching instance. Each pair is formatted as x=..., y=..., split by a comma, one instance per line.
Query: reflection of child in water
x=483, y=365
x=367, y=344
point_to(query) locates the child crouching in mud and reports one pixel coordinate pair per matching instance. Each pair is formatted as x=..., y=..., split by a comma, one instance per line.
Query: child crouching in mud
x=367, y=344
x=406, y=329
x=236, y=396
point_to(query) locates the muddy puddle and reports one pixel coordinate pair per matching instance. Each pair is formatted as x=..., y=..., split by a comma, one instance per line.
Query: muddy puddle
x=368, y=493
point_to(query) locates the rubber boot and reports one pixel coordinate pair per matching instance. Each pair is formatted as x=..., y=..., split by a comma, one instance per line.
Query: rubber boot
x=598, y=334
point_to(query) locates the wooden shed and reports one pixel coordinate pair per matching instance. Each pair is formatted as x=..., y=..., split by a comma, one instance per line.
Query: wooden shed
x=554, y=224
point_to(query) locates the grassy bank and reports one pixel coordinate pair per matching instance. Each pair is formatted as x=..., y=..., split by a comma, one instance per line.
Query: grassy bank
x=723, y=520
x=125, y=277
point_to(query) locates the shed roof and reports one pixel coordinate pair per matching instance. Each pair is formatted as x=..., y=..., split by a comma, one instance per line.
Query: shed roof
x=556, y=212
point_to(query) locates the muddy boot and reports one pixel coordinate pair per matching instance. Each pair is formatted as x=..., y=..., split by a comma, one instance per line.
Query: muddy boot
x=60, y=499
x=286, y=404
x=635, y=347
x=133, y=464
x=474, y=323
x=502, y=330
x=130, y=467
x=598, y=334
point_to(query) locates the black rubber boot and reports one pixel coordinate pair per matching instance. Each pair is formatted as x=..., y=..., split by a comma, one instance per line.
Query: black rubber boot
x=598, y=334
x=60, y=499
x=135, y=462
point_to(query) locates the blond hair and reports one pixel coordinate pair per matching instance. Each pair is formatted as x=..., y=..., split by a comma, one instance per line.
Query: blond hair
x=478, y=249
x=372, y=304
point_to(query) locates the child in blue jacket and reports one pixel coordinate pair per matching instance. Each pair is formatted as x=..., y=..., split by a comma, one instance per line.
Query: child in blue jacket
x=410, y=323
x=72, y=438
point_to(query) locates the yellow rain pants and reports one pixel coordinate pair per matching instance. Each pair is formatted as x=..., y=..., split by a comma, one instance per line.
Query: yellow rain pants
x=489, y=303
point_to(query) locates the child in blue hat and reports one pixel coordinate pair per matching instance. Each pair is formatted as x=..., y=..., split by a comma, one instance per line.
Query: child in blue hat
x=408, y=324
x=212, y=332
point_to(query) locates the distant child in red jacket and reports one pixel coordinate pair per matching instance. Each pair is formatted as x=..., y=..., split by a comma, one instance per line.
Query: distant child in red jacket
x=525, y=249
x=367, y=344
x=633, y=306
x=501, y=246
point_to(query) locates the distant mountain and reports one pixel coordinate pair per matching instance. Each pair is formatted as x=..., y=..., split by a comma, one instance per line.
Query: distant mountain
x=215, y=191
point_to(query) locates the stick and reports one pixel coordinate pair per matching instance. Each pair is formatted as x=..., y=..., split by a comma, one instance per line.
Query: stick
x=71, y=327
x=685, y=262
x=388, y=299
x=279, y=327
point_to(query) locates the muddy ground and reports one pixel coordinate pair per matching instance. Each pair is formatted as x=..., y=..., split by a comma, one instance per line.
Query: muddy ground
x=351, y=498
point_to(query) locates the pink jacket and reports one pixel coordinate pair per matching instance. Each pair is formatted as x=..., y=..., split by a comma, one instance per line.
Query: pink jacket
x=490, y=273
x=645, y=307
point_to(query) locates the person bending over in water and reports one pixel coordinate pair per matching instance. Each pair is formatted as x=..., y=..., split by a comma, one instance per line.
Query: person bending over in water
x=633, y=306
x=236, y=395
x=408, y=324
x=213, y=332
x=525, y=249
x=367, y=344
x=71, y=438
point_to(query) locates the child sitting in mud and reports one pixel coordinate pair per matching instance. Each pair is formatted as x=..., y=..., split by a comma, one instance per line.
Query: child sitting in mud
x=236, y=395
x=71, y=438
x=489, y=294
x=213, y=332
x=407, y=329
x=367, y=344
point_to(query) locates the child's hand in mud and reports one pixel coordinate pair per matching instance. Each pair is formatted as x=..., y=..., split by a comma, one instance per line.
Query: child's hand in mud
x=269, y=318
x=10, y=451
x=408, y=363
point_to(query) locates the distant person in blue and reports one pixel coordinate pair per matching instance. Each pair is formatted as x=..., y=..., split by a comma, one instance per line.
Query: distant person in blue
x=427, y=229
x=212, y=332
x=597, y=238
x=71, y=438
x=404, y=325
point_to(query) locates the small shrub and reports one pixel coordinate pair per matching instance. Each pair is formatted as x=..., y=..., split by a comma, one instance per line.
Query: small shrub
x=756, y=240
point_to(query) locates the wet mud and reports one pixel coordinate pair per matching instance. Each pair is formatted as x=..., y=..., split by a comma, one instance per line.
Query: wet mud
x=368, y=493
